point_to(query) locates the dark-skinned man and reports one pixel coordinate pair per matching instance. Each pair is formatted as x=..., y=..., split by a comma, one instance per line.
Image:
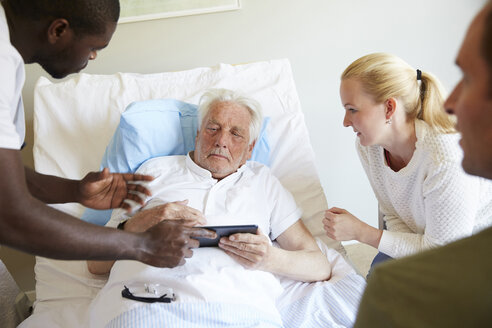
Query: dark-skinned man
x=62, y=36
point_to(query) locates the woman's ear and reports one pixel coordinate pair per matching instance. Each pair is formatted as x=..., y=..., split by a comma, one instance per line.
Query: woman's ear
x=390, y=107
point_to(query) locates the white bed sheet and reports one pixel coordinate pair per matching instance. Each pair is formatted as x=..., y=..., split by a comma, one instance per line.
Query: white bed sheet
x=75, y=119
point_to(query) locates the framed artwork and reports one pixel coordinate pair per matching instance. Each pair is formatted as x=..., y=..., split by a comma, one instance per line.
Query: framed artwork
x=138, y=10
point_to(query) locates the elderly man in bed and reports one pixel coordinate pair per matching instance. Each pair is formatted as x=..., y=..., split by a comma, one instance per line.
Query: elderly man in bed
x=236, y=282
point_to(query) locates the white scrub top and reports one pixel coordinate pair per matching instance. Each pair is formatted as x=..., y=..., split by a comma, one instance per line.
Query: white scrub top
x=12, y=77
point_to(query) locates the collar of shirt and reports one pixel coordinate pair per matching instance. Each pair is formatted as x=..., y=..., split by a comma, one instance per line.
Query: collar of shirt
x=204, y=174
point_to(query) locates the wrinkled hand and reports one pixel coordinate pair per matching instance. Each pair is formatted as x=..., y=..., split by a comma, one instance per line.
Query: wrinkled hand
x=341, y=225
x=104, y=190
x=145, y=219
x=168, y=243
x=252, y=251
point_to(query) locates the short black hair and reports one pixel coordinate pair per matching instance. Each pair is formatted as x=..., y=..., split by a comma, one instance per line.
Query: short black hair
x=85, y=16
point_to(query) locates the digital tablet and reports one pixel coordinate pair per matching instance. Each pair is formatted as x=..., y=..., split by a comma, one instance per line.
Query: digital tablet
x=225, y=231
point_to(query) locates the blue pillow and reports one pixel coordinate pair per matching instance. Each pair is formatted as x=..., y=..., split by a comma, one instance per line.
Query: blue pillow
x=153, y=128
x=261, y=151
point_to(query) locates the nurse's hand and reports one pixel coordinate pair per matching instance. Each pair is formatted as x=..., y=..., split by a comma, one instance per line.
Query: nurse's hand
x=168, y=243
x=145, y=219
x=104, y=190
x=250, y=250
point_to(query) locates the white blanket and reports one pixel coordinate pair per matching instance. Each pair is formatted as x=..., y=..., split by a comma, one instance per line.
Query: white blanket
x=332, y=303
x=210, y=276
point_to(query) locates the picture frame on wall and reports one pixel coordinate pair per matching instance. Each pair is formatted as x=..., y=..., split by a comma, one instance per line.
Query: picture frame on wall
x=139, y=10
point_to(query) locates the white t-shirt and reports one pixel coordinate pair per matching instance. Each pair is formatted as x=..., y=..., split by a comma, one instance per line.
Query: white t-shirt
x=252, y=195
x=431, y=201
x=12, y=77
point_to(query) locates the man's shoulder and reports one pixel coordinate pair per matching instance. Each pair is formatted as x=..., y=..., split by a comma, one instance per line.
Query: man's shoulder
x=440, y=261
x=7, y=50
x=258, y=169
x=261, y=175
x=432, y=273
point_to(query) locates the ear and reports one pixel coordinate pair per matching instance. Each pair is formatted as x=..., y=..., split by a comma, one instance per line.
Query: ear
x=196, y=137
x=390, y=107
x=59, y=31
x=250, y=149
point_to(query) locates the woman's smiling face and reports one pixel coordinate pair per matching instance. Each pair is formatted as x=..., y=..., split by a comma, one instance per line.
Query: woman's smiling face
x=362, y=113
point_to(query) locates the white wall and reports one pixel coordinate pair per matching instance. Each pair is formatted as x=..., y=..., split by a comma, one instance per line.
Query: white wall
x=320, y=37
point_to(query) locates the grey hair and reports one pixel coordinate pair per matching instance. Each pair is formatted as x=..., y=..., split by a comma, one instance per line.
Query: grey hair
x=212, y=96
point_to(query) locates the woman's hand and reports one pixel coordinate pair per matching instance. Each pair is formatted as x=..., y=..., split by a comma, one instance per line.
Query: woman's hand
x=341, y=225
x=252, y=251
x=104, y=190
x=146, y=219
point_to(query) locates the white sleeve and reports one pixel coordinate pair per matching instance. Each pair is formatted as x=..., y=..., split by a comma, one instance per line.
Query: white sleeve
x=9, y=137
x=284, y=208
x=451, y=202
x=394, y=223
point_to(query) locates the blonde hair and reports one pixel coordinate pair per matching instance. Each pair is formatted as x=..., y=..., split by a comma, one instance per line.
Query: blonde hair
x=384, y=76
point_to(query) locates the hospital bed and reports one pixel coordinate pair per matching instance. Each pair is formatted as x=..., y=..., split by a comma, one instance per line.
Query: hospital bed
x=74, y=121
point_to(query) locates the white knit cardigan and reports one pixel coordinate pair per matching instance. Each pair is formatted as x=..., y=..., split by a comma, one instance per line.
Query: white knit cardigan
x=431, y=201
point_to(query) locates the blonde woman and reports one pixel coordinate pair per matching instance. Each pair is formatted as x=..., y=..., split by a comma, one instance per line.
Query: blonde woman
x=409, y=149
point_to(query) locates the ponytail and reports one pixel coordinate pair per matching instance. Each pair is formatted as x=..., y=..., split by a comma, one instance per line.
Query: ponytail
x=430, y=108
x=384, y=76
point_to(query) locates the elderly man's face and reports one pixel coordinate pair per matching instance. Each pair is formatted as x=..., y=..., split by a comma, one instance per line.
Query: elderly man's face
x=222, y=144
x=471, y=101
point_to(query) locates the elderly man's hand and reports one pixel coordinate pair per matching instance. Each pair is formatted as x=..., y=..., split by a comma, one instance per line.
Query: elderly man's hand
x=168, y=243
x=252, y=251
x=104, y=190
x=145, y=219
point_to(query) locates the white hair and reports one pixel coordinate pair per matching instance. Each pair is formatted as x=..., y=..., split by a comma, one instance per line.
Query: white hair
x=212, y=96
